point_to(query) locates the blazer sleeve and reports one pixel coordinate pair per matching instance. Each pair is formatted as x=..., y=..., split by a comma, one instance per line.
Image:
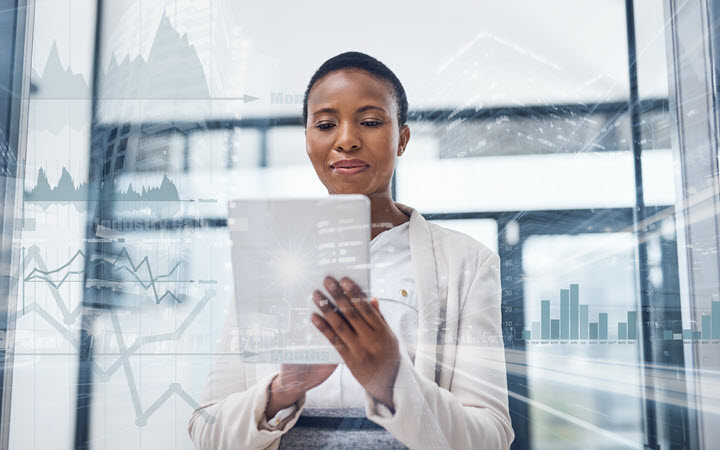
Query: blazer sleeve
x=231, y=414
x=474, y=412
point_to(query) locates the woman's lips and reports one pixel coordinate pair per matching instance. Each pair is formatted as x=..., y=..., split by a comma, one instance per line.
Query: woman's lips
x=349, y=170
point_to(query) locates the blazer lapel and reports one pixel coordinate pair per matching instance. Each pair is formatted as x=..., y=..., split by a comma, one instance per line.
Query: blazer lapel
x=430, y=300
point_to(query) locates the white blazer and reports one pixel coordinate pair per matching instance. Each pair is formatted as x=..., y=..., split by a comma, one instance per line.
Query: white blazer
x=454, y=394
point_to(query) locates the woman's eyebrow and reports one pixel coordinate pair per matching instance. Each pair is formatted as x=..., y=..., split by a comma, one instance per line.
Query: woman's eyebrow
x=361, y=109
x=367, y=107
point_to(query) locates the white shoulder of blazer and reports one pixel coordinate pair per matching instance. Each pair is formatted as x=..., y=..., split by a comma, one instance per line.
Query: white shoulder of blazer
x=453, y=396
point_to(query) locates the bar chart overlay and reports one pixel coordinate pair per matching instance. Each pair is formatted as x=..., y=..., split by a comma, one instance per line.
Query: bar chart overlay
x=709, y=328
x=574, y=322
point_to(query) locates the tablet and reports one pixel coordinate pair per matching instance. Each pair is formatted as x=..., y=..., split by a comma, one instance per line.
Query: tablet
x=282, y=249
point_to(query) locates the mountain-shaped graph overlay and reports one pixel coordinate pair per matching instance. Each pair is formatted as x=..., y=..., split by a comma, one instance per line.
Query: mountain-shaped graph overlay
x=66, y=192
x=57, y=81
x=33, y=258
x=173, y=70
x=104, y=274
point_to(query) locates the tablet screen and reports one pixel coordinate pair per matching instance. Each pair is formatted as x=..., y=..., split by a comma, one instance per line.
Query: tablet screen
x=282, y=249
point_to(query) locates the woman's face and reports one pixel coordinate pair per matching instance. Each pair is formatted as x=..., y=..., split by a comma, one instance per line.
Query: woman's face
x=353, y=116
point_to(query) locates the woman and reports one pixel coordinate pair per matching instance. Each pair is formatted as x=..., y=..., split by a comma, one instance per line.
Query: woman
x=428, y=365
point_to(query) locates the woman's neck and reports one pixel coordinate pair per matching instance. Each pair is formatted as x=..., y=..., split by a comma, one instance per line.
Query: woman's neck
x=384, y=215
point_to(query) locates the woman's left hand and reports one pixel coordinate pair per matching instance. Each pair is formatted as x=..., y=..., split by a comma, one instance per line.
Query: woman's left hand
x=359, y=332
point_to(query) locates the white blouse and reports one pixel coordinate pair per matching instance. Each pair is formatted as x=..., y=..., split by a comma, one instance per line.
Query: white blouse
x=392, y=282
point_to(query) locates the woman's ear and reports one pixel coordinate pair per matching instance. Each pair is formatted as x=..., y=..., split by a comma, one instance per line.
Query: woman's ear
x=404, y=138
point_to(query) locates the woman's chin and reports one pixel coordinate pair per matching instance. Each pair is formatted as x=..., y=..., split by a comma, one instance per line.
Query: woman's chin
x=347, y=188
x=348, y=191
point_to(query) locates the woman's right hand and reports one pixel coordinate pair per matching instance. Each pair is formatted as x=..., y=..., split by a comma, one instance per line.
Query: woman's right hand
x=292, y=382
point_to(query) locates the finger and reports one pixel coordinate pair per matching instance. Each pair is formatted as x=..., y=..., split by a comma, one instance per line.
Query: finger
x=343, y=301
x=376, y=306
x=353, y=317
x=330, y=334
x=333, y=288
x=334, y=317
x=358, y=303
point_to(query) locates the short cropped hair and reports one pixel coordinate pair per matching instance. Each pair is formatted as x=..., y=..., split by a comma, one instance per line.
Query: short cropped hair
x=358, y=60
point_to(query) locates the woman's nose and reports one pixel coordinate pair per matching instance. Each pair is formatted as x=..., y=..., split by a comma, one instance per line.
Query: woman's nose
x=347, y=138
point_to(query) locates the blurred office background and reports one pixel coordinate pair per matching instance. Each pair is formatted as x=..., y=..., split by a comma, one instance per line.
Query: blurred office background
x=576, y=138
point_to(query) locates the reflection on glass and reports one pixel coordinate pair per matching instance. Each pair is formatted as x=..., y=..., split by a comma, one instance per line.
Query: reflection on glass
x=595, y=381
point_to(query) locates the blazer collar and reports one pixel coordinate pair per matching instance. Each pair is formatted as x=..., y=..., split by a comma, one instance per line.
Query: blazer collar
x=431, y=301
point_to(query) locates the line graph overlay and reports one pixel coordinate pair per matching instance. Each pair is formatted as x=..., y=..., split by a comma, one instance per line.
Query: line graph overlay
x=42, y=273
x=125, y=352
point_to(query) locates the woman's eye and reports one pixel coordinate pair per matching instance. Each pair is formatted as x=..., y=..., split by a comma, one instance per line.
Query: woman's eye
x=370, y=123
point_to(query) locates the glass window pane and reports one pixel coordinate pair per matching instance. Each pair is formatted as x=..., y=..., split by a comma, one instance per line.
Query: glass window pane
x=152, y=356
x=595, y=382
x=56, y=167
x=514, y=108
x=286, y=147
